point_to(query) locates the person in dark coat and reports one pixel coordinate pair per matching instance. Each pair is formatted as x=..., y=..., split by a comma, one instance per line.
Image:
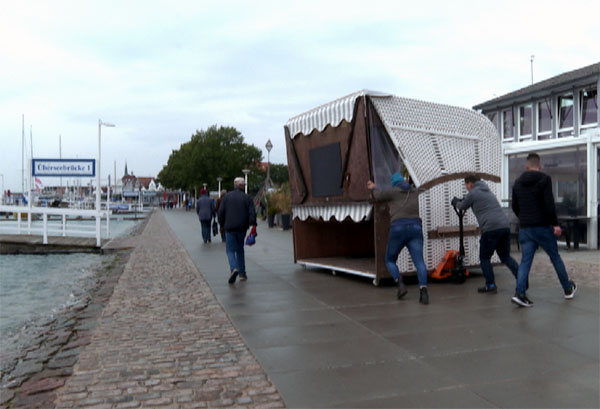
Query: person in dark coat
x=205, y=208
x=533, y=203
x=236, y=215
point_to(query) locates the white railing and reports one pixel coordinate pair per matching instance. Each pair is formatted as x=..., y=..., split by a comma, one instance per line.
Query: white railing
x=50, y=227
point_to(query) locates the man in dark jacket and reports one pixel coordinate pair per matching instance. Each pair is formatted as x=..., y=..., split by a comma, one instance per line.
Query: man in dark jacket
x=205, y=208
x=236, y=215
x=533, y=203
x=495, y=229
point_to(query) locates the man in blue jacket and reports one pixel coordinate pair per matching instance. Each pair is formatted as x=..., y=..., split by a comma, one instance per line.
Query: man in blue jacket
x=533, y=203
x=494, y=226
x=236, y=215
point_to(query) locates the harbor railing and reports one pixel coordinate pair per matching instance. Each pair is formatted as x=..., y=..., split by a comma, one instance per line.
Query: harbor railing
x=45, y=212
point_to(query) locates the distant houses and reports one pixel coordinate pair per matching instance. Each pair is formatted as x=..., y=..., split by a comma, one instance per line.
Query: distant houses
x=145, y=188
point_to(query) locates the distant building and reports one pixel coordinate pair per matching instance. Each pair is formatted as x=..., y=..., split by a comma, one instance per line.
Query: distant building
x=145, y=186
x=558, y=118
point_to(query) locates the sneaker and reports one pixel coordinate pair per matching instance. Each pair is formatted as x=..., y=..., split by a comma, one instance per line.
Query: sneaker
x=401, y=288
x=424, y=297
x=488, y=289
x=569, y=295
x=522, y=300
x=243, y=277
x=233, y=276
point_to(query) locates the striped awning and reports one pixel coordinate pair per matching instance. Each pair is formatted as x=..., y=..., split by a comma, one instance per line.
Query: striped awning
x=328, y=114
x=338, y=211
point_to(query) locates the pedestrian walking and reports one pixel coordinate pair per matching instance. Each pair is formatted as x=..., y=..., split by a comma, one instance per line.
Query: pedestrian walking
x=205, y=208
x=236, y=215
x=221, y=228
x=495, y=228
x=405, y=231
x=533, y=203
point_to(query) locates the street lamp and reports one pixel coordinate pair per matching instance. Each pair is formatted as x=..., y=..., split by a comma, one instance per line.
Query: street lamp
x=100, y=125
x=269, y=146
x=219, y=179
x=246, y=171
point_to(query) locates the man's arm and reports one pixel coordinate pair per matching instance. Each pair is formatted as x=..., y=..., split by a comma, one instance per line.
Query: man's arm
x=515, y=203
x=549, y=206
x=464, y=203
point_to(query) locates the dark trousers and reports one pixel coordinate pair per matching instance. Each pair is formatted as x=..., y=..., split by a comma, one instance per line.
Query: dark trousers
x=498, y=241
x=205, y=230
x=531, y=238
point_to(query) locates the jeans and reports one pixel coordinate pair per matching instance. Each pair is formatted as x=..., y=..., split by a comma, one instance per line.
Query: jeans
x=531, y=238
x=205, y=230
x=411, y=236
x=234, y=246
x=499, y=241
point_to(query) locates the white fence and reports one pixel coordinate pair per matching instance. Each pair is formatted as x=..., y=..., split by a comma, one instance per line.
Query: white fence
x=25, y=226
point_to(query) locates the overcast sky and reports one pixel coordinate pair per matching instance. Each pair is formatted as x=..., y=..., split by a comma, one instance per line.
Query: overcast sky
x=160, y=70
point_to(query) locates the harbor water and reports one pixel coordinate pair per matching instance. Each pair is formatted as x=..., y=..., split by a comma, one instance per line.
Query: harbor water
x=35, y=288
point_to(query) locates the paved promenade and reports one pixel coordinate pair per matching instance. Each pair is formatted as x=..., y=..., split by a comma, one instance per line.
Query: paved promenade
x=338, y=341
x=163, y=340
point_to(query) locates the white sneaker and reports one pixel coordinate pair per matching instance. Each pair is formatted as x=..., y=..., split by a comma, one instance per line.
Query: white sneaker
x=569, y=295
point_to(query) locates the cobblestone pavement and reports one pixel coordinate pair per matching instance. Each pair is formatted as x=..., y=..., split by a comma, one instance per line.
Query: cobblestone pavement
x=163, y=341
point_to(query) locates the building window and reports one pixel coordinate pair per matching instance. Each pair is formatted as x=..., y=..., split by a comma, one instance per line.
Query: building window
x=565, y=115
x=493, y=117
x=544, y=123
x=507, y=124
x=525, y=121
x=588, y=100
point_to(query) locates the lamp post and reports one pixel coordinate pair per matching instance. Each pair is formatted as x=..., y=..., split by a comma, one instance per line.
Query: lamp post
x=219, y=179
x=246, y=171
x=269, y=146
x=98, y=188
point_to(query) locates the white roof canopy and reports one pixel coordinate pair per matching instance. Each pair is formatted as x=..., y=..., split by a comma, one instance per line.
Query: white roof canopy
x=433, y=140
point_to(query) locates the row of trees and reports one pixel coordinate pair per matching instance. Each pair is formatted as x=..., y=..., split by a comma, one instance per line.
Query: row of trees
x=216, y=152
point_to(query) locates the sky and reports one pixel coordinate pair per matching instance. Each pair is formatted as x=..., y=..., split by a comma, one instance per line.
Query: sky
x=160, y=70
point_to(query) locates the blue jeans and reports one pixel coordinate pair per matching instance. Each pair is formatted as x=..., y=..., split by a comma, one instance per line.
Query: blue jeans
x=498, y=241
x=411, y=236
x=234, y=246
x=205, y=230
x=531, y=238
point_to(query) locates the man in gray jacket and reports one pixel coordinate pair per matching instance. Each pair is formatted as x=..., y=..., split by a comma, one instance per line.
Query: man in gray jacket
x=495, y=229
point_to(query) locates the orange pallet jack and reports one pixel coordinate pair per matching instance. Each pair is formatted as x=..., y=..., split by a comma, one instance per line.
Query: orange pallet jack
x=452, y=265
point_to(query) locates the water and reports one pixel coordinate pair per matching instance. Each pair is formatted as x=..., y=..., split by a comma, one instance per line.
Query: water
x=34, y=288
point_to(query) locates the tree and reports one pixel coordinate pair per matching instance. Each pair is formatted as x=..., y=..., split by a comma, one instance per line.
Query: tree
x=279, y=173
x=215, y=152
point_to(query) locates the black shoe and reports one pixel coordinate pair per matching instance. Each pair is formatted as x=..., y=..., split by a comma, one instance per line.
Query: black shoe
x=401, y=289
x=487, y=289
x=424, y=297
x=243, y=277
x=569, y=295
x=233, y=276
x=522, y=300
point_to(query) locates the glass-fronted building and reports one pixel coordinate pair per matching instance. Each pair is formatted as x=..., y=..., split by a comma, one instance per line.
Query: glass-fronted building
x=559, y=119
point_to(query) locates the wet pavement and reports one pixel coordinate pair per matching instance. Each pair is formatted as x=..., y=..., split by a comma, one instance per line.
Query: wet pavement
x=328, y=341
